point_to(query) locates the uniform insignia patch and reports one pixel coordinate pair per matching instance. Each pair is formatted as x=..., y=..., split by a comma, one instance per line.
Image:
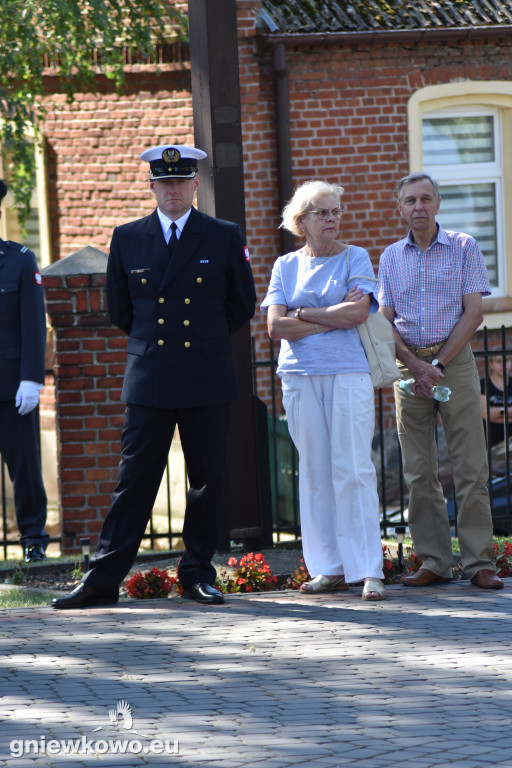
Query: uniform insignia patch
x=171, y=155
x=204, y=261
x=246, y=252
x=38, y=278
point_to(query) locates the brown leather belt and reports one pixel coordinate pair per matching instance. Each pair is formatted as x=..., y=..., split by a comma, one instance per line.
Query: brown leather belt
x=429, y=351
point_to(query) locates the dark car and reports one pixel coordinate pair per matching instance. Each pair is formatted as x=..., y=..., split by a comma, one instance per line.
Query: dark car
x=501, y=506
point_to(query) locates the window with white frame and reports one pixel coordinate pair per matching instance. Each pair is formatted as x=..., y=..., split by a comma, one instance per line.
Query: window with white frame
x=36, y=237
x=462, y=151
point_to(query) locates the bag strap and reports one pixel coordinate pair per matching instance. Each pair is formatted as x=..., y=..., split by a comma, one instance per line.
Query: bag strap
x=356, y=277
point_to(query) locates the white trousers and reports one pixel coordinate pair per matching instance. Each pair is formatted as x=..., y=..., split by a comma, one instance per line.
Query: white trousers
x=331, y=420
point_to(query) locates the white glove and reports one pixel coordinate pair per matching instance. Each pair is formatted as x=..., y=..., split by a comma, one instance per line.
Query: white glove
x=27, y=396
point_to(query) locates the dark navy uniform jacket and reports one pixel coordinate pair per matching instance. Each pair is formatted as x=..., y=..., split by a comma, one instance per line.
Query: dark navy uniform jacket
x=179, y=312
x=22, y=319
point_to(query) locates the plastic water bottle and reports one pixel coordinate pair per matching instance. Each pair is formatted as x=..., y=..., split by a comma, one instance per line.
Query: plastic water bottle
x=439, y=392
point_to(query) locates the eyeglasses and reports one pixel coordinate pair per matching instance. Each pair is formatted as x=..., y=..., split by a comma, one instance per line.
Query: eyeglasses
x=324, y=213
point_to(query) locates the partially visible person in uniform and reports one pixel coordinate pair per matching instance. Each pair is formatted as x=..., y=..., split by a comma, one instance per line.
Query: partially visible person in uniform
x=431, y=285
x=23, y=351
x=492, y=388
x=179, y=284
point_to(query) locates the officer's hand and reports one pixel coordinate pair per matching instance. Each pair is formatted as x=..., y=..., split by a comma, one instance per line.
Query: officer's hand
x=27, y=397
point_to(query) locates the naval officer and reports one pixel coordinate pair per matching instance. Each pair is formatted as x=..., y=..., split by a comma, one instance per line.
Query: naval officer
x=22, y=349
x=179, y=284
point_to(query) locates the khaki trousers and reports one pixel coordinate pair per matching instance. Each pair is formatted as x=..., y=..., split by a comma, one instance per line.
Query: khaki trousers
x=462, y=422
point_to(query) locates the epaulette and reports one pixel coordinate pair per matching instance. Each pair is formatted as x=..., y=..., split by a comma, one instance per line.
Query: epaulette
x=17, y=246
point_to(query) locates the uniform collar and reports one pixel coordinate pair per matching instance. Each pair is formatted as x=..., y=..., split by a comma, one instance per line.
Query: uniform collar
x=165, y=221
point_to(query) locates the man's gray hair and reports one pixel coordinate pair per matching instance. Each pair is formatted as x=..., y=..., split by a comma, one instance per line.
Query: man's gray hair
x=418, y=176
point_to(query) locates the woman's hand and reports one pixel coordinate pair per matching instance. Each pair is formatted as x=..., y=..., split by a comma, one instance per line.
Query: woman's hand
x=282, y=324
x=354, y=294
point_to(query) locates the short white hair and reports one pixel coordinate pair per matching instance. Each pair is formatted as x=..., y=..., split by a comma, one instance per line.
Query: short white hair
x=304, y=200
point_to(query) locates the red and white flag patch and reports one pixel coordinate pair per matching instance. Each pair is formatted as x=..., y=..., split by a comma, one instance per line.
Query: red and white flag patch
x=38, y=278
x=246, y=252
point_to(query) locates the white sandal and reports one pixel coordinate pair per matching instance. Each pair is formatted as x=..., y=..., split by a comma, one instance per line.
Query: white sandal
x=374, y=590
x=323, y=584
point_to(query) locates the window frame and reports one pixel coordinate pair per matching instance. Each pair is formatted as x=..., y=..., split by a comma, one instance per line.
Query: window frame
x=450, y=174
x=9, y=225
x=491, y=94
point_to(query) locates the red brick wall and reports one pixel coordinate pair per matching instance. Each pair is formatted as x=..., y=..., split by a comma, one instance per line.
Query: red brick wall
x=95, y=178
x=89, y=364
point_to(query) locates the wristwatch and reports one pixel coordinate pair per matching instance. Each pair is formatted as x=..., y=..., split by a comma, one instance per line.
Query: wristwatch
x=297, y=313
x=438, y=364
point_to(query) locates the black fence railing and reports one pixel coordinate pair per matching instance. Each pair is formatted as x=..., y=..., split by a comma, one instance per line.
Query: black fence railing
x=165, y=526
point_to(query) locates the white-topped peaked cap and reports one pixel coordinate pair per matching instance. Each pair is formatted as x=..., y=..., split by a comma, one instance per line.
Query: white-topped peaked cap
x=172, y=161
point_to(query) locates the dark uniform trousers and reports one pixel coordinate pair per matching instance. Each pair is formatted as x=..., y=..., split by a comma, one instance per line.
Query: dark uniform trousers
x=146, y=442
x=19, y=440
x=179, y=313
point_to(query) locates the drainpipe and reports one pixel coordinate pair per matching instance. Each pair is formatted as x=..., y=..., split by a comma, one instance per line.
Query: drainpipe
x=284, y=154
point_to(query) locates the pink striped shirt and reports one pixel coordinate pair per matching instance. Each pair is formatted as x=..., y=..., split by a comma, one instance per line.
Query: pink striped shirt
x=426, y=289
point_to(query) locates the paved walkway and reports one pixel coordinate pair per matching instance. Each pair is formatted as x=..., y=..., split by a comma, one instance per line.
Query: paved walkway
x=421, y=680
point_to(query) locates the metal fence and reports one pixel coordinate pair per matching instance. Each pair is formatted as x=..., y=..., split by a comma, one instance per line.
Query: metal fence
x=165, y=524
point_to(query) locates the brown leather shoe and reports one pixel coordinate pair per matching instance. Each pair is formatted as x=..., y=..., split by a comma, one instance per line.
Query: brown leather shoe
x=487, y=579
x=423, y=578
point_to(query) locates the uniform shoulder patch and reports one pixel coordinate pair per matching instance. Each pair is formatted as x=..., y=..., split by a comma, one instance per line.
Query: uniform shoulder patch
x=17, y=246
x=38, y=278
x=246, y=253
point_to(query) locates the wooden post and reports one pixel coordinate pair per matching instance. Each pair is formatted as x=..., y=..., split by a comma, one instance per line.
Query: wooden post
x=218, y=131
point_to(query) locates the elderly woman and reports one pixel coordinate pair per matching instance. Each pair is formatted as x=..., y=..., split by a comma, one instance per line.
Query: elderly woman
x=327, y=392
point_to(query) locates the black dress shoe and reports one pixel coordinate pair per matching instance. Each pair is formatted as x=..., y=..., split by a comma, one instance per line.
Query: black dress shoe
x=84, y=596
x=204, y=593
x=34, y=553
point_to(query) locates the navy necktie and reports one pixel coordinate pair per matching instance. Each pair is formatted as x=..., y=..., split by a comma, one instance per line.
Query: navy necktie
x=173, y=240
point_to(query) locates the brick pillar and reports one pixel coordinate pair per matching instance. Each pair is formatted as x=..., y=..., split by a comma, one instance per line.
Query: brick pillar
x=89, y=367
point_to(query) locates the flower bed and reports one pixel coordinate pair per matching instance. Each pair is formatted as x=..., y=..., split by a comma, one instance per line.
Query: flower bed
x=252, y=574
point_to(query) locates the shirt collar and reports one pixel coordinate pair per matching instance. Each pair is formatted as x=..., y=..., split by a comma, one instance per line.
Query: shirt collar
x=165, y=222
x=441, y=237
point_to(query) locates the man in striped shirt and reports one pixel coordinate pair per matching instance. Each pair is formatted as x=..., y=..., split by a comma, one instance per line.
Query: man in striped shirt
x=431, y=285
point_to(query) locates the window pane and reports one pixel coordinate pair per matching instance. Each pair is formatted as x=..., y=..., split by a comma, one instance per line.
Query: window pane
x=32, y=239
x=453, y=140
x=471, y=208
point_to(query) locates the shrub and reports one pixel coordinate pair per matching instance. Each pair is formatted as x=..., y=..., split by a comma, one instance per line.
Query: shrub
x=502, y=555
x=300, y=576
x=150, y=585
x=252, y=574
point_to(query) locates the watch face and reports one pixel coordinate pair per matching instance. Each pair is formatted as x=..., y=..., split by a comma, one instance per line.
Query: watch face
x=435, y=362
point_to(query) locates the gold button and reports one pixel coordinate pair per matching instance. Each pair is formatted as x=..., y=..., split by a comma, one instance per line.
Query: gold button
x=143, y=281
x=161, y=342
x=199, y=279
x=187, y=301
x=161, y=300
x=161, y=321
x=187, y=344
x=186, y=322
